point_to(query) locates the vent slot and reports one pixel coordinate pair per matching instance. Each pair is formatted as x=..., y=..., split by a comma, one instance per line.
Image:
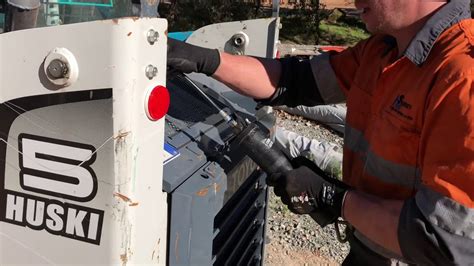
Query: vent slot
x=239, y=226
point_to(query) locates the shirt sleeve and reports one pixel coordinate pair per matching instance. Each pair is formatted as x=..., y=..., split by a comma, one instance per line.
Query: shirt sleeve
x=345, y=64
x=323, y=79
x=437, y=225
x=297, y=85
x=447, y=137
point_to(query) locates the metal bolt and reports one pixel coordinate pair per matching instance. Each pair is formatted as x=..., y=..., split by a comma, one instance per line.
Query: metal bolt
x=152, y=36
x=257, y=205
x=151, y=71
x=239, y=40
x=57, y=69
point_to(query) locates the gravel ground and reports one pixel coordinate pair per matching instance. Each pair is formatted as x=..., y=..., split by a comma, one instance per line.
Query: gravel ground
x=296, y=239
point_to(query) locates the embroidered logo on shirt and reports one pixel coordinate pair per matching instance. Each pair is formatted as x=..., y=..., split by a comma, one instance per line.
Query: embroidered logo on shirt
x=399, y=105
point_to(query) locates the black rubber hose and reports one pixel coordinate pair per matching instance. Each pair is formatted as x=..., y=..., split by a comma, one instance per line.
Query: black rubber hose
x=253, y=142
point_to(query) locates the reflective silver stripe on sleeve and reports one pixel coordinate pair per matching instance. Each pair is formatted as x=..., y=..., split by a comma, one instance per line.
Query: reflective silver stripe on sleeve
x=446, y=213
x=354, y=140
x=390, y=172
x=326, y=79
x=376, y=166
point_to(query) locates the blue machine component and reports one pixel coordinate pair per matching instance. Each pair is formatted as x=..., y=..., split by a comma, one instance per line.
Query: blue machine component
x=180, y=36
x=106, y=3
x=217, y=195
x=170, y=153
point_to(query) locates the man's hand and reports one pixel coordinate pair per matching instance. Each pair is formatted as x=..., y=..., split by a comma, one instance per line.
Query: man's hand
x=307, y=190
x=189, y=58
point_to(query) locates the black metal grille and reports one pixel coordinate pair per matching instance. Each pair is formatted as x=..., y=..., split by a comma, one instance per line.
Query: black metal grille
x=239, y=226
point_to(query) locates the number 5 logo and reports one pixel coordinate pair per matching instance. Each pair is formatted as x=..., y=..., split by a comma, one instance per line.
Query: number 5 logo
x=57, y=167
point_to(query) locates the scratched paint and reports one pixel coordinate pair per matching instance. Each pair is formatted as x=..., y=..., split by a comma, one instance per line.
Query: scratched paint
x=217, y=188
x=134, y=176
x=124, y=259
x=125, y=199
x=157, y=251
x=176, y=251
x=126, y=236
x=204, y=191
x=122, y=197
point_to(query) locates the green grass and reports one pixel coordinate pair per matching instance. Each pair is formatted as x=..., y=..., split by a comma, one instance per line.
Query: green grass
x=341, y=34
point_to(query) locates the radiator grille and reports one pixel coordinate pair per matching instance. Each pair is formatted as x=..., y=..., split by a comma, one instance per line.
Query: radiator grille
x=239, y=226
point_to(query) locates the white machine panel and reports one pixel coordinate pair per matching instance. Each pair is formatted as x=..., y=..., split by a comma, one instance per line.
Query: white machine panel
x=81, y=162
x=256, y=37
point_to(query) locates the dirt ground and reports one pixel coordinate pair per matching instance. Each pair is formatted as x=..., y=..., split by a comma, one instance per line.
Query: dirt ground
x=338, y=3
x=276, y=254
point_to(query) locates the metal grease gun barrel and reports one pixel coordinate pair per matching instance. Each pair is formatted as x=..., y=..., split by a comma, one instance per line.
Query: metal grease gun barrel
x=251, y=139
x=270, y=159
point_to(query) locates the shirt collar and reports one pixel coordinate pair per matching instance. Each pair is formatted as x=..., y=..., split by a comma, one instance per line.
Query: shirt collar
x=451, y=13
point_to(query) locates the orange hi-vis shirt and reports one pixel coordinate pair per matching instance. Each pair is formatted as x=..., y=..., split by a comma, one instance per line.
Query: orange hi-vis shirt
x=410, y=127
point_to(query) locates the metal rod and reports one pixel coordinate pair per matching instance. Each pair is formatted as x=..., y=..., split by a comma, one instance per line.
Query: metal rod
x=276, y=8
x=222, y=113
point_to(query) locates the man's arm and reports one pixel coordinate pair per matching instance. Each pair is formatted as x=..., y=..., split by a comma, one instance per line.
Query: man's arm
x=289, y=81
x=428, y=228
x=254, y=77
x=375, y=218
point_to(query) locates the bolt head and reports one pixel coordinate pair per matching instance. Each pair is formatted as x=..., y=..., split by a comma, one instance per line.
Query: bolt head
x=57, y=69
x=152, y=36
x=151, y=71
x=238, y=41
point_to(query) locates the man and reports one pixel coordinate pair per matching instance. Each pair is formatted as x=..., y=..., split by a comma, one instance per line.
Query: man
x=409, y=137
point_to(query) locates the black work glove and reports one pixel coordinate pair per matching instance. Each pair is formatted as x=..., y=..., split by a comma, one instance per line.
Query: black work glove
x=308, y=190
x=189, y=58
